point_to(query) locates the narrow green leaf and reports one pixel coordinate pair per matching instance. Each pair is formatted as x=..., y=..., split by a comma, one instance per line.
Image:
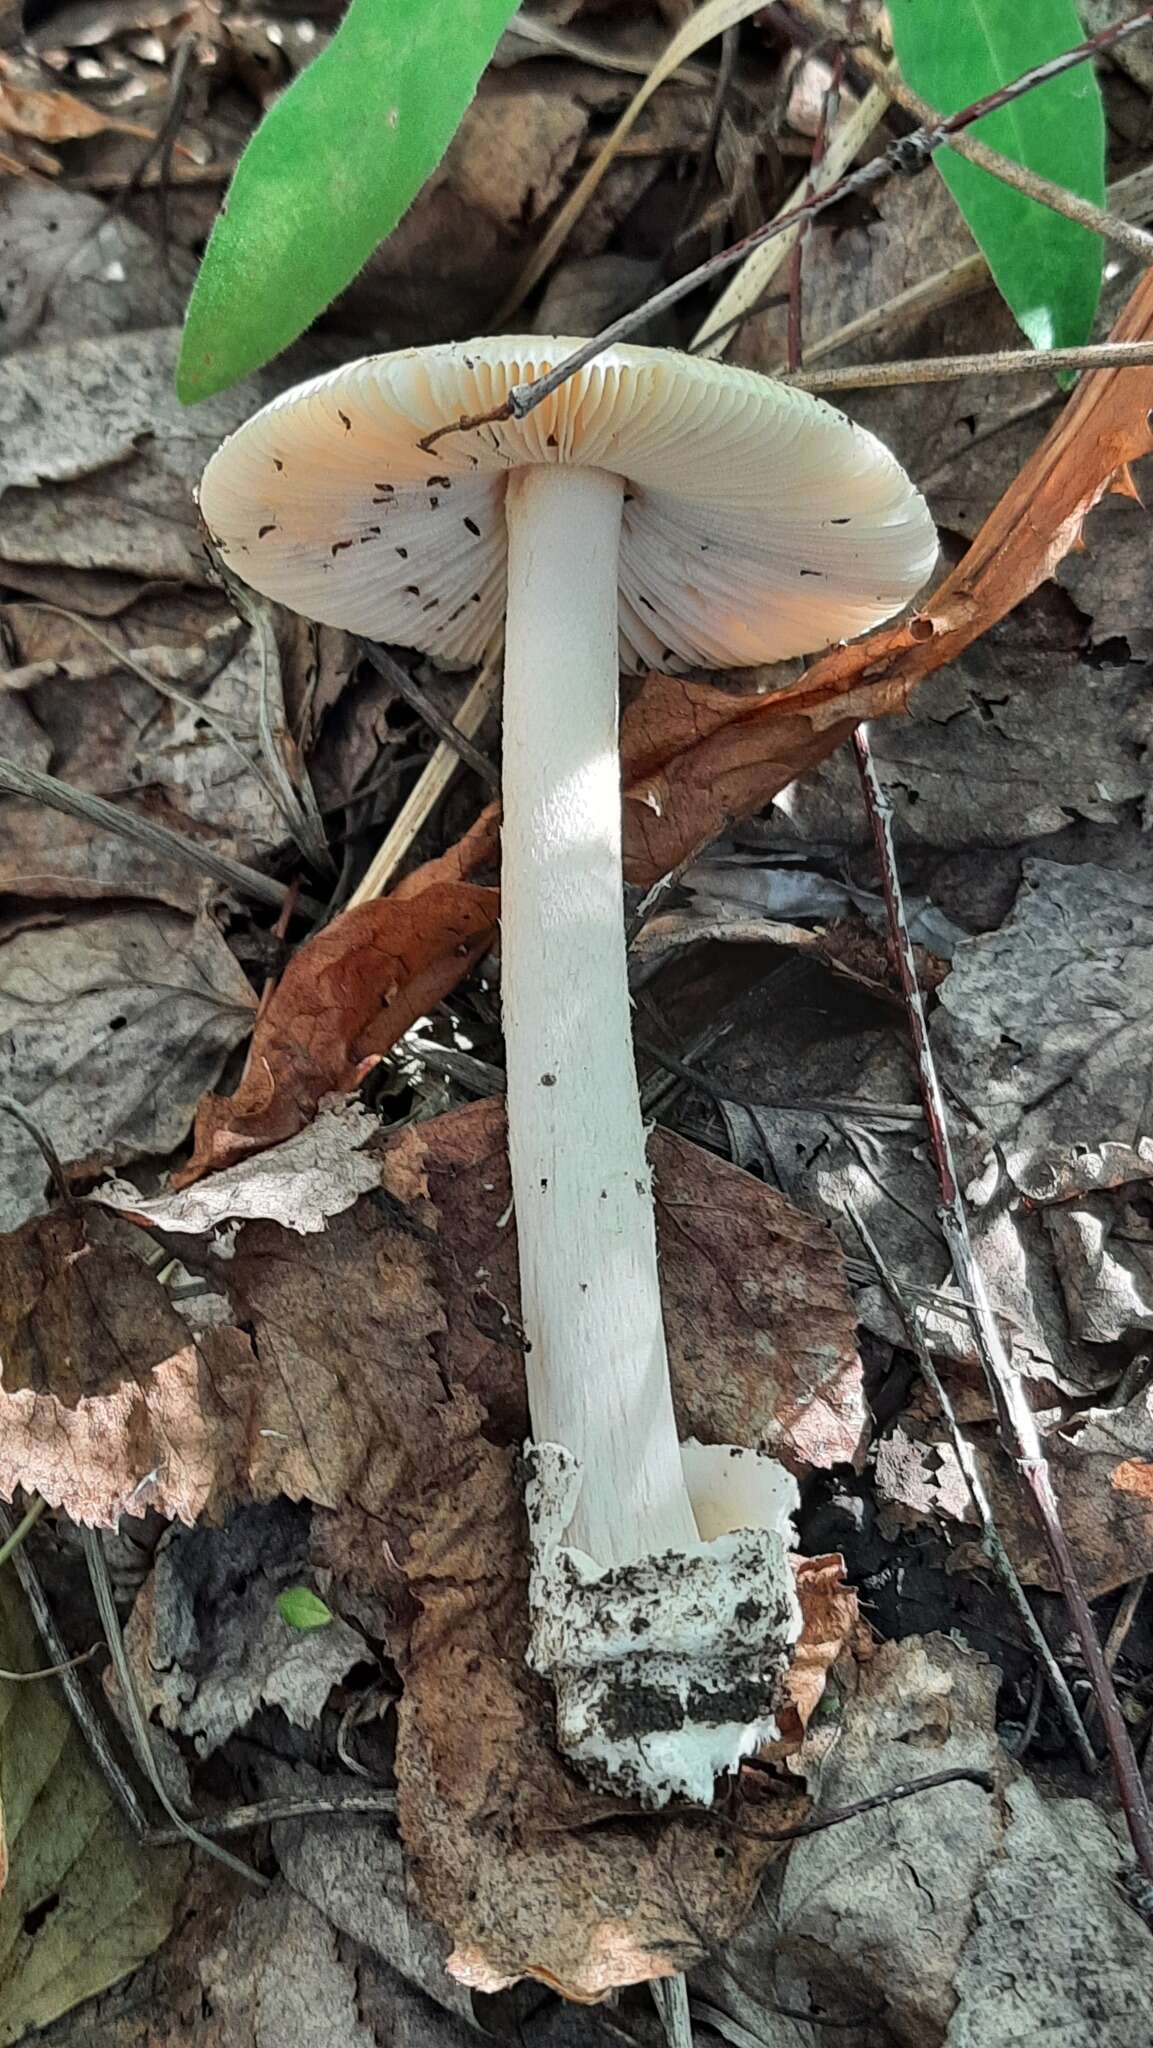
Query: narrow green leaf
x=1046, y=268
x=301, y=1609
x=329, y=172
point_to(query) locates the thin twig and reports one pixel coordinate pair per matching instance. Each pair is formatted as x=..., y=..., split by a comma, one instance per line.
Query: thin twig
x=991, y=1541
x=28, y=1522
x=16, y=780
x=399, y=680
x=748, y=291
x=50, y=1670
x=110, y=1622
x=837, y=1815
x=91, y=1728
x=1005, y=168
x=265, y=1812
x=431, y=787
x=907, y=156
x=1009, y=362
x=830, y=101
x=1018, y=1425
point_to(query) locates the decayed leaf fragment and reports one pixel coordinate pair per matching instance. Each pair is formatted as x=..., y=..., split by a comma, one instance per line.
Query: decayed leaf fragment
x=84, y=1903
x=106, y=1404
x=300, y=1183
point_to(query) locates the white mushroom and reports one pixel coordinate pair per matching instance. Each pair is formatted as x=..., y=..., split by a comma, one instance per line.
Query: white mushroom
x=675, y=513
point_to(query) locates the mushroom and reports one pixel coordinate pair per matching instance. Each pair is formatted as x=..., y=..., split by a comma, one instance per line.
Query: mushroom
x=675, y=513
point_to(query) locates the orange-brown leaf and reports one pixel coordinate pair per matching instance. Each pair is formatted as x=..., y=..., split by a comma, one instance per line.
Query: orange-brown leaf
x=342, y=1002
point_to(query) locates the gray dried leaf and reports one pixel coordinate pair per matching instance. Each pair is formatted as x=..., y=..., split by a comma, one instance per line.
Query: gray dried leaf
x=948, y=1919
x=71, y=268
x=207, y=1643
x=111, y=1029
x=300, y=1183
x=1012, y=741
x=104, y=414
x=1045, y=1027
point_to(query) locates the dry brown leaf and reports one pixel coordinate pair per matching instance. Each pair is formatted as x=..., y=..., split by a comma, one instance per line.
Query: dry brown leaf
x=508, y=1851
x=345, y=999
x=59, y=117
x=106, y=1405
x=1101, y=1464
x=366, y=1379
x=830, y=1614
x=761, y=1330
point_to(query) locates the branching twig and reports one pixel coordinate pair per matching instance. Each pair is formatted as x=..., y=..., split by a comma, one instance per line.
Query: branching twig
x=1017, y=1423
x=1058, y=198
x=91, y=1729
x=910, y=154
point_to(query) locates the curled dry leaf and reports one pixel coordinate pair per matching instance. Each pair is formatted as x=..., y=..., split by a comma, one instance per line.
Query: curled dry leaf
x=345, y=999
x=695, y=758
x=58, y=116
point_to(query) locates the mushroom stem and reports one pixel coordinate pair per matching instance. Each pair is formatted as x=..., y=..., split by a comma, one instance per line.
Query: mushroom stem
x=597, y=1369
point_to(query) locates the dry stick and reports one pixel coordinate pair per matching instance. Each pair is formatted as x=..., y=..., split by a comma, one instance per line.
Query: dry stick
x=1009, y=362
x=399, y=680
x=912, y=153
x=157, y=839
x=12, y=1543
x=50, y=1670
x=103, y=1754
x=745, y=293
x=1131, y=198
x=830, y=101
x=1016, y=1420
x=110, y=1621
x=432, y=784
x=265, y=1812
x=869, y=60
x=991, y=1541
x=836, y=1815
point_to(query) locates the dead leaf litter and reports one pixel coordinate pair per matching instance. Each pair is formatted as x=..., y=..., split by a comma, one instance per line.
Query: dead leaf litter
x=259, y=1297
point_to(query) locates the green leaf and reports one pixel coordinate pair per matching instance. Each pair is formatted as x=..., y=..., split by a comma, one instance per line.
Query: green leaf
x=302, y=1609
x=85, y=1903
x=329, y=172
x=954, y=51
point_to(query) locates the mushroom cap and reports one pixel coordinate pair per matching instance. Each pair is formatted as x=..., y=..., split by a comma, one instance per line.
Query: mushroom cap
x=757, y=523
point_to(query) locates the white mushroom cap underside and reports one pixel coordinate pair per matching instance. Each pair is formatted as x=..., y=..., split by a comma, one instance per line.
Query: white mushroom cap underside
x=758, y=522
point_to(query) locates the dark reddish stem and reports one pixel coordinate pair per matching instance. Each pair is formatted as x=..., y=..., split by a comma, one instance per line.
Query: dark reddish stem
x=1016, y=1420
